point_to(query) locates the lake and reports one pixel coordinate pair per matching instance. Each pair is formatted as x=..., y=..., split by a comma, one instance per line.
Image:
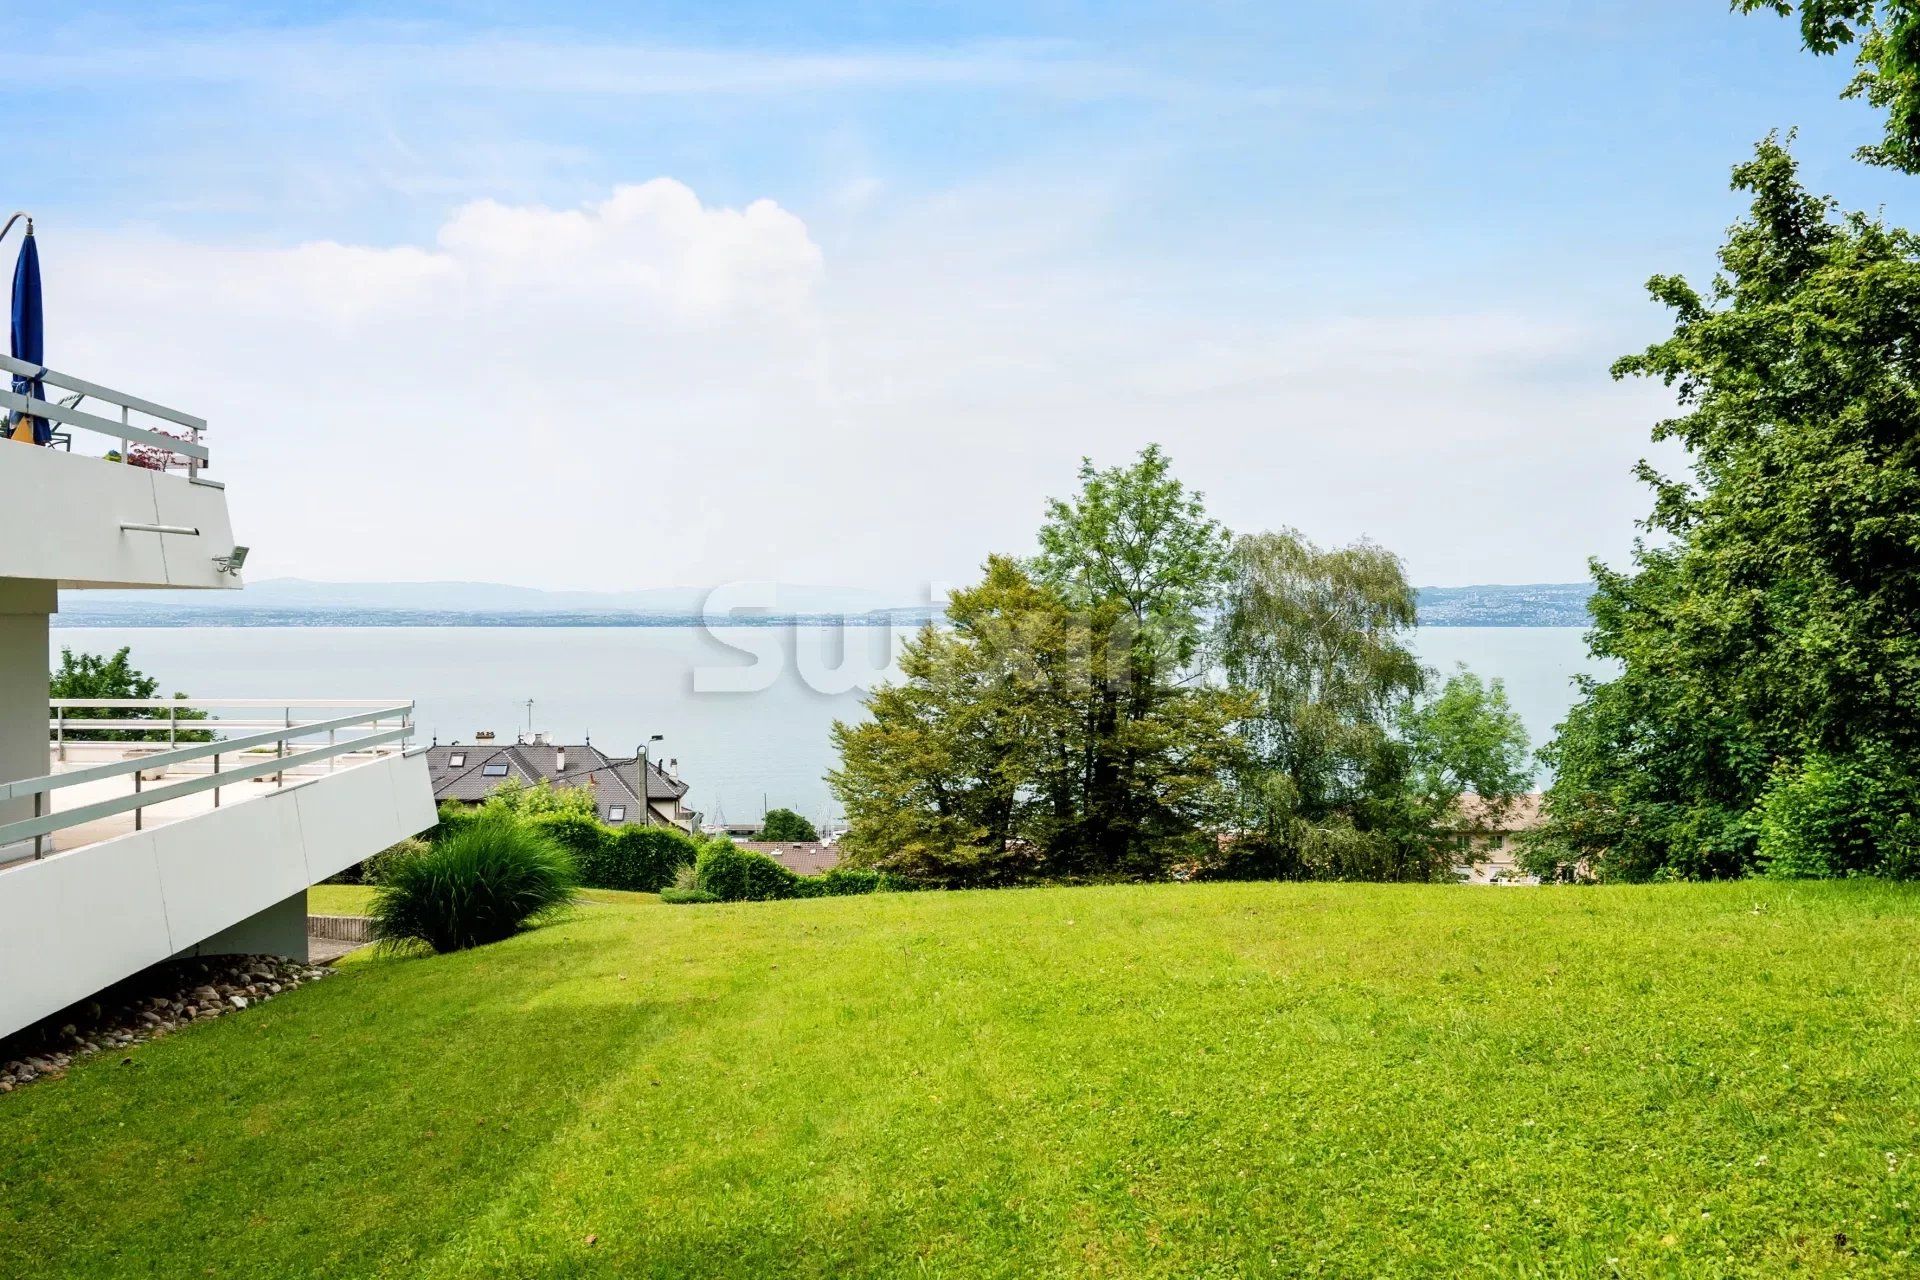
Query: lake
x=745, y=710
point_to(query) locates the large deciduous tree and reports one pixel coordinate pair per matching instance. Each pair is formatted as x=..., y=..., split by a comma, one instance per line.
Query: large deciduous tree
x=1887, y=36
x=1319, y=637
x=1769, y=691
x=1061, y=726
x=1349, y=774
x=1147, y=697
x=786, y=825
x=1138, y=559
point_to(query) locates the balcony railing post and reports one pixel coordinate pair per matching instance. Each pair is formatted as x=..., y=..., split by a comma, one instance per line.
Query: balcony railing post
x=126, y=442
x=280, y=747
x=330, y=746
x=173, y=727
x=193, y=464
x=139, y=813
x=60, y=733
x=39, y=810
x=216, y=773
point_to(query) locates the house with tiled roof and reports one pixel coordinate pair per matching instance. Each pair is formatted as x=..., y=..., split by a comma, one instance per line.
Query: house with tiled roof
x=802, y=857
x=467, y=773
x=1491, y=834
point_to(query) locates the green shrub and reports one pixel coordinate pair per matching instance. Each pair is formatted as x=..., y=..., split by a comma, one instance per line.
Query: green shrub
x=379, y=868
x=1838, y=816
x=784, y=825
x=725, y=872
x=845, y=881
x=642, y=859
x=581, y=835
x=486, y=881
x=733, y=874
x=540, y=799
x=374, y=870
x=453, y=817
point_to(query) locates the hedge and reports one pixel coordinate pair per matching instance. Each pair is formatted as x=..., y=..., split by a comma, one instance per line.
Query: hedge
x=733, y=874
x=727, y=873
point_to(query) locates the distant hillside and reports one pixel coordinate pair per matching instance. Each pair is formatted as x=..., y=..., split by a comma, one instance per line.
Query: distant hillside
x=1548, y=604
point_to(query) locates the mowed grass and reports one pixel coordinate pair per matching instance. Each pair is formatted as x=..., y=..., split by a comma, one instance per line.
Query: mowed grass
x=1170, y=1080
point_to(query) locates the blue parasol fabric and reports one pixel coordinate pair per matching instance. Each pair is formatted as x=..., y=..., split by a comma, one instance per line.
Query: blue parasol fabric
x=29, y=336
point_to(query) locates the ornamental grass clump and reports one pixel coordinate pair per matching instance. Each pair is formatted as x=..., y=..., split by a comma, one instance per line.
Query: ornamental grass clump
x=486, y=881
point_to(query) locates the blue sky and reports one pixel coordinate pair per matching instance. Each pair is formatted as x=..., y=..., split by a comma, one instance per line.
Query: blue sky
x=1361, y=267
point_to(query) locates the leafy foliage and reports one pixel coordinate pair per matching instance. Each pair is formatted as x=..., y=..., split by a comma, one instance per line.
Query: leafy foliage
x=1026, y=740
x=581, y=835
x=733, y=874
x=523, y=800
x=1887, y=33
x=1835, y=817
x=484, y=882
x=379, y=867
x=1148, y=697
x=89, y=675
x=1467, y=738
x=784, y=825
x=842, y=882
x=643, y=859
x=1319, y=638
x=1766, y=639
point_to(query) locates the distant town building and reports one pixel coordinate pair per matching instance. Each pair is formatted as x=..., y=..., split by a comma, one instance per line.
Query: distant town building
x=469, y=773
x=1490, y=854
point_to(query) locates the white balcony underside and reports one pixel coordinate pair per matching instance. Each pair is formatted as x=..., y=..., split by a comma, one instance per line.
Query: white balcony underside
x=61, y=515
x=112, y=901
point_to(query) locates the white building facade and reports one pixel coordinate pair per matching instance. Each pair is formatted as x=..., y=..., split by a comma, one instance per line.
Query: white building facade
x=203, y=835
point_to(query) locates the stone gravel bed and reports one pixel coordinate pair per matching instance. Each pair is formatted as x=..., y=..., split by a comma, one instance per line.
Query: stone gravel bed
x=146, y=1006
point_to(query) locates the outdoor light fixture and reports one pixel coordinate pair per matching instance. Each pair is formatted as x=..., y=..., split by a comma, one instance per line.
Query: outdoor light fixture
x=232, y=561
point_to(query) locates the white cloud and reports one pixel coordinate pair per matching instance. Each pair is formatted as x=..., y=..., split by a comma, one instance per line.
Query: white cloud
x=646, y=390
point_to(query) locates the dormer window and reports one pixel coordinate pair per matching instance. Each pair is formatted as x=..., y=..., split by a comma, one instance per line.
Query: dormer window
x=616, y=813
x=458, y=760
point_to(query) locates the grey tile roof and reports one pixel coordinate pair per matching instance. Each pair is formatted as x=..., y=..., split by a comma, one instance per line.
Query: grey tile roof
x=614, y=780
x=803, y=857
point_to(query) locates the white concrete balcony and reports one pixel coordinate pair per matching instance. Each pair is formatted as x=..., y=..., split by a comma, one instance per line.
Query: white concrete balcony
x=126, y=853
x=146, y=516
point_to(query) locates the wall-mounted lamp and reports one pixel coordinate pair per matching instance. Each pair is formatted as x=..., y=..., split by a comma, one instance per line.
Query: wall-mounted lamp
x=232, y=562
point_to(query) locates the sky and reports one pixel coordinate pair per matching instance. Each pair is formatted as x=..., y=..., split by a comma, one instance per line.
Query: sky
x=679, y=294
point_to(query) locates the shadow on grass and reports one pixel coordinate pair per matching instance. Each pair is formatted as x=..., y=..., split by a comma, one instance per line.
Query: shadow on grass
x=351, y=1127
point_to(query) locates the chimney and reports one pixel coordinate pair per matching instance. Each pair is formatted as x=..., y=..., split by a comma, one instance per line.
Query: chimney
x=559, y=759
x=483, y=735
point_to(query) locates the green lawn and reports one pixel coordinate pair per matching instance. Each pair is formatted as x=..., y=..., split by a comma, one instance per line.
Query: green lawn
x=1169, y=1080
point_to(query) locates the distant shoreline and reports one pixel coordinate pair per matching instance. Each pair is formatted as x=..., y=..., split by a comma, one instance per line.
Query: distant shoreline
x=292, y=602
x=83, y=620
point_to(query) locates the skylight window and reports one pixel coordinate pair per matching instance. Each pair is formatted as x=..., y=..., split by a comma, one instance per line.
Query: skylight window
x=616, y=813
x=493, y=770
x=457, y=760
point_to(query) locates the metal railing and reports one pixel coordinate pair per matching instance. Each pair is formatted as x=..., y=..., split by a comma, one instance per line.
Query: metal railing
x=269, y=750
x=70, y=414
